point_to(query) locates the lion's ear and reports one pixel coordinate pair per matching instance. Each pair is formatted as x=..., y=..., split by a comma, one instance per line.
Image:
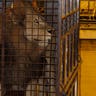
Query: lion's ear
x=36, y=7
x=17, y=12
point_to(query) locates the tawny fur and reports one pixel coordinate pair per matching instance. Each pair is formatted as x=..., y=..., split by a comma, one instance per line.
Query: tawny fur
x=26, y=54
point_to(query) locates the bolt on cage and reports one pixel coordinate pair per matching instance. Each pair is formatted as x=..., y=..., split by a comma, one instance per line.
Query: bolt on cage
x=39, y=47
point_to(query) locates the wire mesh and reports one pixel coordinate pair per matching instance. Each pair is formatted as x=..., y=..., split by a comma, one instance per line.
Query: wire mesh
x=29, y=48
x=38, y=45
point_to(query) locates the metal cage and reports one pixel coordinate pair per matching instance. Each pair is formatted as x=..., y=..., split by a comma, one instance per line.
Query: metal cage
x=39, y=47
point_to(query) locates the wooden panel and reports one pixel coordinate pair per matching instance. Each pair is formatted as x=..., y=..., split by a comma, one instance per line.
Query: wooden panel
x=85, y=34
x=87, y=31
x=88, y=68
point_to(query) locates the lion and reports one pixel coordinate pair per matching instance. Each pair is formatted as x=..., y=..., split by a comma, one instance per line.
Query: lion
x=26, y=38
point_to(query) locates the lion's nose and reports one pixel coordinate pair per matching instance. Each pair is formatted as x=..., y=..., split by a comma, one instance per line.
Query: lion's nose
x=50, y=30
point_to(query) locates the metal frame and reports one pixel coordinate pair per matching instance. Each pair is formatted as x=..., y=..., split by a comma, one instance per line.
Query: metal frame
x=69, y=45
x=89, y=13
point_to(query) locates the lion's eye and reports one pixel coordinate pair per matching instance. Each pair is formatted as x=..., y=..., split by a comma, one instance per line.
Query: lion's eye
x=36, y=21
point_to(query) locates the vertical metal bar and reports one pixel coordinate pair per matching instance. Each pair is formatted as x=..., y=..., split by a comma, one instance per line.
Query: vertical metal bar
x=88, y=6
x=58, y=49
x=79, y=71
x=2, y=34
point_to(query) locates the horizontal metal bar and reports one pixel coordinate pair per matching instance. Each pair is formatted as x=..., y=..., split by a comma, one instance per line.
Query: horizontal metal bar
x=70, y=31
x=88, y=29
x=92, y=21
x=87, y=0
x=71, y=13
